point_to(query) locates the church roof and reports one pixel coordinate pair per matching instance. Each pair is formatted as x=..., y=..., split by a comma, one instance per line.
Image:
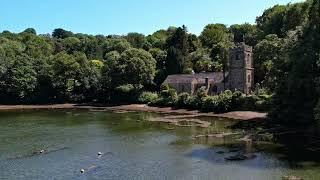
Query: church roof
x=215, y=77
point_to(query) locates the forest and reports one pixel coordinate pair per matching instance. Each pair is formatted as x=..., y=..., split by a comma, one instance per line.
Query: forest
x=72, y=67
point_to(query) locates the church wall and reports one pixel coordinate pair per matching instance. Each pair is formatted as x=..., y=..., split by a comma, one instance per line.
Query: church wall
x=236, y=79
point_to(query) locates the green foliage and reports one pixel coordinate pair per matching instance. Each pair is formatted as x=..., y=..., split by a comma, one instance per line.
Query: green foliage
x=268, y=59
x=20, y=79
x=160, y=56
x=168, y=97
x=159, y=38
x=135, y=66
x=65, y=70
x=127, y=93
x=61, y=33
x=177, y=45
x=136, y=40
x=30, y=30
x=245, y=33
x=183, y=100
x=116, y=44
x=214, y=34
x=71, y=44
x=219, y=103
x=69, y=67
x=280, y=19
x=296, y=96
x=148, y=97
x=97, y=63
x=272, y=20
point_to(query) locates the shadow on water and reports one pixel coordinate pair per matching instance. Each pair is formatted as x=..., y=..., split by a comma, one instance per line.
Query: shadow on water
x=297, y=147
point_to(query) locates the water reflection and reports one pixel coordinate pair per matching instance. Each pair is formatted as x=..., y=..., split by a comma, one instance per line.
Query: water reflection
x=135, y=148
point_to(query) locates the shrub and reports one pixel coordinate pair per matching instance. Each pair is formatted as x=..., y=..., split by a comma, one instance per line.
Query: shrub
x=250, y=102
x=183, y=99
x=127, y=88
x=264, y=103
x=219, y=103
x=209, y=104
x=201, y=93
x=148, y=97
x=168, y=97
x=224, y=102
x=125, y=94
x=194, y=103
x=237, y=101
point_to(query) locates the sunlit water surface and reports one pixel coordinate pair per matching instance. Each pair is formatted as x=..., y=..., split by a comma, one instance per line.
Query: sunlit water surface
x=132, y=147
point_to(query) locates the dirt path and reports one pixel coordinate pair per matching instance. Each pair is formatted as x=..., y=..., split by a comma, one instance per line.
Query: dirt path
x=239, y=115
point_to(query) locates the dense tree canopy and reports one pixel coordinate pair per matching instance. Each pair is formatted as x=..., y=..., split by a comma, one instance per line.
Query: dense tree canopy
x=75, y=67
x=214, y=34
x=298, y=93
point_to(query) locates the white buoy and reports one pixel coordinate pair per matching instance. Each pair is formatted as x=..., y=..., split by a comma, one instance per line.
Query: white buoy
x=99, y=153
x=41, y=151
x=82, y=170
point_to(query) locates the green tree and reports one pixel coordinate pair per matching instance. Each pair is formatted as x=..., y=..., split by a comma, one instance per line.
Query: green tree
x=297, y=95
x=158, y=39
x=245, y=33
x=36, y=46
x=267, y=61
x=31, y=31
x=61, y=33
x=272, y=20
x=116, y=44
x=136, y=67
x=160, y=56
x=20, y=79
x=65, y=71
x=177, y=51
x=136, y=40
x=214, y=34
x=71, y=44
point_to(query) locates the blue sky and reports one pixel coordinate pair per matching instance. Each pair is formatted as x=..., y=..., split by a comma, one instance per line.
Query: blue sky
x=123, y=16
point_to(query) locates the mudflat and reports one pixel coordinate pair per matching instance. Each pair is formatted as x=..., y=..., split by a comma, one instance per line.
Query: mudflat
x=237, y=115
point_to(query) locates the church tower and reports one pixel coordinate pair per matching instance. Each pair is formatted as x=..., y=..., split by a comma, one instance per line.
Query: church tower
x=241, y=70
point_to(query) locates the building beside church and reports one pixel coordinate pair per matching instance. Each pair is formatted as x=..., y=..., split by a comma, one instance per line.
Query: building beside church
x=239, y=77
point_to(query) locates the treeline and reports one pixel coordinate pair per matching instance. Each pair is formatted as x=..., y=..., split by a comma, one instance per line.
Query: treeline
x=73, y=67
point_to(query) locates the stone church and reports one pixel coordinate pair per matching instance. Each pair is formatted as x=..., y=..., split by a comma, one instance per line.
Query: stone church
x=239, y=77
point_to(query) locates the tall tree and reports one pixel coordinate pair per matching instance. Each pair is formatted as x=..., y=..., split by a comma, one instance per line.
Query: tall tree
x=267, y=61
x=297, y=96
x=177, y=46
x=272, y=20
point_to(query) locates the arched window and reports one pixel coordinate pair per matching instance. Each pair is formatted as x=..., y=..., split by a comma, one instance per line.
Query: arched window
x=249, y=78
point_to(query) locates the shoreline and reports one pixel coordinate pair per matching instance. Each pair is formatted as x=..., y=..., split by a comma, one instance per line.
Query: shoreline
x=236, y=115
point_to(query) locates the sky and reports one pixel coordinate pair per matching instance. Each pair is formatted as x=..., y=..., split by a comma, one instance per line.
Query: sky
x=123, y=16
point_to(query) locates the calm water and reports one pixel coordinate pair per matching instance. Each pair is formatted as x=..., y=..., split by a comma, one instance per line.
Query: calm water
x=132, y=148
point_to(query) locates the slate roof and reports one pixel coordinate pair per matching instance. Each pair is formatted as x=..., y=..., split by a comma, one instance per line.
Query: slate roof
x=215, y=77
